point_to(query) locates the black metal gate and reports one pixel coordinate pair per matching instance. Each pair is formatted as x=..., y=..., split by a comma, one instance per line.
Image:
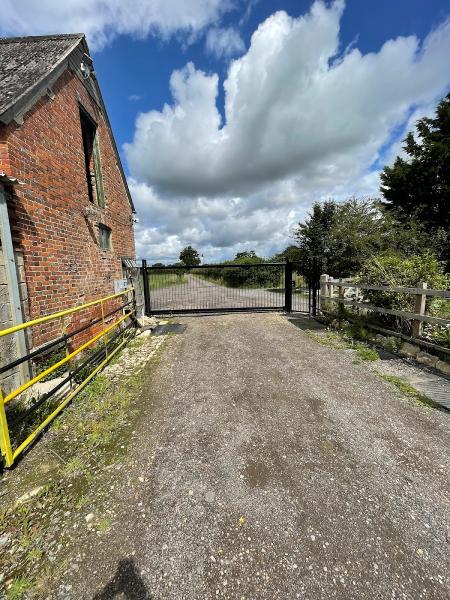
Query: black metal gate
x=227, y=288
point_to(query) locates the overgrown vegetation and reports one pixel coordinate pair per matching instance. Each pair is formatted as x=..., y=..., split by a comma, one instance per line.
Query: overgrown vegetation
x=410, y=271
x=418, y=186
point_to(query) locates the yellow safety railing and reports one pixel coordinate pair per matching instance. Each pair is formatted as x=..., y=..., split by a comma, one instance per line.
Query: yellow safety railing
x=8, y=453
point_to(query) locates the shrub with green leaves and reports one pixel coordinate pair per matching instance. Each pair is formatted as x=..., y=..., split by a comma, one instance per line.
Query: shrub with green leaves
x=397, y=271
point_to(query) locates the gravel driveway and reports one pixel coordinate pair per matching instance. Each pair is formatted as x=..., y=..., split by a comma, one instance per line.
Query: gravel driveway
x=271, y=467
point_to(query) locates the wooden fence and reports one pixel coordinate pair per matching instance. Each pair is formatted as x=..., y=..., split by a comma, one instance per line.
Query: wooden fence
x=328, y=287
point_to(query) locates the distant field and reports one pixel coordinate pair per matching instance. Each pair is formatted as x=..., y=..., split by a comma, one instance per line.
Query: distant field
x=299, y=282
x=161, y=280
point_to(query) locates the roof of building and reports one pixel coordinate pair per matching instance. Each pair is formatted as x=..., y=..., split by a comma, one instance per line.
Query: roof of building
x=26, y=61
x=30, y=65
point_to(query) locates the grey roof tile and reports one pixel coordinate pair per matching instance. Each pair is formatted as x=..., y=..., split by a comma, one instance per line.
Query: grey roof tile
x=25, y=61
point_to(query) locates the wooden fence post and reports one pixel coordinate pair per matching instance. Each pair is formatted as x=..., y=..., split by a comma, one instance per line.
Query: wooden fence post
x=419, y=309
x=341, y=293
x=323, y=288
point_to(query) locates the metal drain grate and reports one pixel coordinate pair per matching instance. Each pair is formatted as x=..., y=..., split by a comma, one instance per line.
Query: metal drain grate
x=437, y=390
x=169, y=328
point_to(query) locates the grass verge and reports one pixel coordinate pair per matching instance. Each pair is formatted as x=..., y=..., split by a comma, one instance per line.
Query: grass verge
x=68, y=479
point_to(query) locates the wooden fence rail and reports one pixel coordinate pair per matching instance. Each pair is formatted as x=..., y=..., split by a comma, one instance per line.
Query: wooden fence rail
x=418, y=317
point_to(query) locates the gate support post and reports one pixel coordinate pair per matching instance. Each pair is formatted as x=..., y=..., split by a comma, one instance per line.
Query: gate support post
x=419, y=309
x=288, y=286
x=145, y=283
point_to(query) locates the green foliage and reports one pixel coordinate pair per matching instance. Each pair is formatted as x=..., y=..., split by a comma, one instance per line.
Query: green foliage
x=396, y=271
x=366, y=353
x=43, y=363
x=190, y=257
x=19, y=587
x=342, y=236
x=257, y=277
x=291, y=253
x=404, y=272
x=419, y=186
x=166, y=278
x=104, y=524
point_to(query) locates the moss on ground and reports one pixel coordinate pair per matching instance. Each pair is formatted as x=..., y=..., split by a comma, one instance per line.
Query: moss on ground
x=341, y=341
x=408, y=390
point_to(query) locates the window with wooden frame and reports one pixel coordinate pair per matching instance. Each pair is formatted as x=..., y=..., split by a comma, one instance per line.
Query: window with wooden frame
x=104, y=237
x=92, y=159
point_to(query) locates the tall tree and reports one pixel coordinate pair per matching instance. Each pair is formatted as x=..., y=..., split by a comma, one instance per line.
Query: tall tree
x=419, y=185
x=190, y=257
x=313, y=236
x=341, y=236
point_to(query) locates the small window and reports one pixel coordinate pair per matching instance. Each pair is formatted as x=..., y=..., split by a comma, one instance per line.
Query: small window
x=104, y=237
x=92, y=159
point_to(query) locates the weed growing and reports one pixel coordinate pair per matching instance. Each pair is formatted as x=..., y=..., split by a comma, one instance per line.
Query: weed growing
x=409, y=390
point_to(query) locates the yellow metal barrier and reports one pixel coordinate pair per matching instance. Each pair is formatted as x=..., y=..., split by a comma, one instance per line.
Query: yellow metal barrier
x=8, y=453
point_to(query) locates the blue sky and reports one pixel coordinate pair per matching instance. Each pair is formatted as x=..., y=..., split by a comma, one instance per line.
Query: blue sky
x=232, y=117
x=143, y=67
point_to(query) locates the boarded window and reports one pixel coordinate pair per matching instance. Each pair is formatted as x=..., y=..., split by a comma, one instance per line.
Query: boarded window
x=104, y=237
x=92, y=159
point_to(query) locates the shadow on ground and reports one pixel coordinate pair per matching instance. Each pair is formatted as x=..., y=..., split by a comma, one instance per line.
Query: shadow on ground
x=306, y=323
x=127, y=584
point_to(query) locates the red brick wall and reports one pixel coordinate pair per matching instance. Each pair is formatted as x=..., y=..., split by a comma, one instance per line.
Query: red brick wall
x=53, y=222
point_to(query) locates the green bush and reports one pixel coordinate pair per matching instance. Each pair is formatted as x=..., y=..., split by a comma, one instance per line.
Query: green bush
x=398, y=271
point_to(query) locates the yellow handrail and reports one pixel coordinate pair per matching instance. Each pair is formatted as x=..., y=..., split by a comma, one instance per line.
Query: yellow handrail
x=64, y=403
x=63, y=361
x=69, y=311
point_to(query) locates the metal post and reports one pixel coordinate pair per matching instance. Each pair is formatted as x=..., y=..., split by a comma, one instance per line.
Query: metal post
x=13, y=283
x=105, y=345
x=314, y=287
x=419, y=309
x=288, y=286
x=145, y=283
x=5, y=443
x=66, y=346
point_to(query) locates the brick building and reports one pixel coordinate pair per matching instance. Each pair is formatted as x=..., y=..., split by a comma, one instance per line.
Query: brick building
x=66, y=213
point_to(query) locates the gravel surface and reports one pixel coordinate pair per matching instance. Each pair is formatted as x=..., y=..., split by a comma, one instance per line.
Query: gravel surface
x=272, y=467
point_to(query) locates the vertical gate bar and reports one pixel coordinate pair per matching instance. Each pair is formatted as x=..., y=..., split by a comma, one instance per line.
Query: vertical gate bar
x=314, y=287
x=288, y=286
x=66, y=347
x=103, y=327
x=5, y=443
x=145, y=283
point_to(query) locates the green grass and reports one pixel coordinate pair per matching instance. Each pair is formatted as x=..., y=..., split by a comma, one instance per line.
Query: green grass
x=19, y=587
x=339, y=341
x=366, y=353
x=104, y=524
x=409, y=390
x=161, y=280
x=330, y=339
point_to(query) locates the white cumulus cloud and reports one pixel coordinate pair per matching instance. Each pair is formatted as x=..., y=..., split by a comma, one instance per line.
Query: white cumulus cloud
x=103, y=21
x=304, y=120
x=224, y=42
x=294, y=106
